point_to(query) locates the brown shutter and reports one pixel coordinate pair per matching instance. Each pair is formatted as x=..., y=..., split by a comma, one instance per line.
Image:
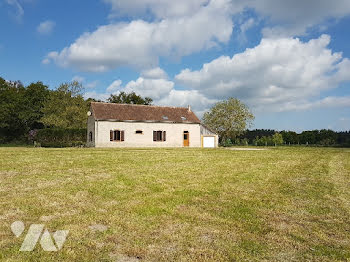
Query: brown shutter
x=154, y=135
x=122, y=135
x=164, y=135
x=111, y=135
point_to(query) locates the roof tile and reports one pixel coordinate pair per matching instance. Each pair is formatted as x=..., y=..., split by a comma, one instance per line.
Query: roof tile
x=143, y=113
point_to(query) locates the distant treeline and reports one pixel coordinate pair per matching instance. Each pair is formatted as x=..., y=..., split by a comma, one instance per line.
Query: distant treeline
x=324, y=137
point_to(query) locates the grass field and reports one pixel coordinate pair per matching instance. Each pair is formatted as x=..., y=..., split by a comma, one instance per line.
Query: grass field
x=284, y=204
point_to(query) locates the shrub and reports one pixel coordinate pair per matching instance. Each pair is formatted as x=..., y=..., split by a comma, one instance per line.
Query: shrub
x=60, y=137
x=227, y=143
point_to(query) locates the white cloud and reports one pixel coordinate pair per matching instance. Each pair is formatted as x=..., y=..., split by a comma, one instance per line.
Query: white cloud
x=247, y=25
x=140, y=44
x=46, y=61
x=78, y=79
x=81, y=79
x=160, y=89
x=46, y=27
x=154, y=73
x=278, y=75
x=95, y=95
x=154, y=88
x=115, y=86
x=327, y=102
x=198, y=102
x=159, y=8
x=290, y=17
x=19, y=12
x=173, y=29
x=92, y=84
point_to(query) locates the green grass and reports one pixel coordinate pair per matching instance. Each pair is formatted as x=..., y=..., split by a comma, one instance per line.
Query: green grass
x=284, y=204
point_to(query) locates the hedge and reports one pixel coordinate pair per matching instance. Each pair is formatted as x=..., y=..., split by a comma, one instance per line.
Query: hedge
x=59, y=137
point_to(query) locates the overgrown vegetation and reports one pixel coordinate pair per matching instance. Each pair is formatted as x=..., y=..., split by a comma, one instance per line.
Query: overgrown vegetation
x=281, y=204
x=61, y=137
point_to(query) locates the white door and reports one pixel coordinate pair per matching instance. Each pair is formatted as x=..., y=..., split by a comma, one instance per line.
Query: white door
x=208, y=141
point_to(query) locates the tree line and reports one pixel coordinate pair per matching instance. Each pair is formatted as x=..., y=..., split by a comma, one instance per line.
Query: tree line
x=268, y=137
x=25, y=109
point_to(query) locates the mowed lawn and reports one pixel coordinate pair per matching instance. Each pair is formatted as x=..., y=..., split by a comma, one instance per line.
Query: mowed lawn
x=284, y=204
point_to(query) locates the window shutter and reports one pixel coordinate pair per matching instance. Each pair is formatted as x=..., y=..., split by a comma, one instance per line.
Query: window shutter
x=164, y=135
x=122, y=135
x=111, y=135
x=154, y=135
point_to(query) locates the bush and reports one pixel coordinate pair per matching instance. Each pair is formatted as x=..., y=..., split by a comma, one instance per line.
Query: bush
x=60, y=137
x=226, y=143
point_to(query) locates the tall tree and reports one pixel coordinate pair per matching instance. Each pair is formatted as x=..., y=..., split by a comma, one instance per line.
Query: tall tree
x=35, y=95
x=229, y=118
x=12, y=125
x=66, y=107
x=129, y=98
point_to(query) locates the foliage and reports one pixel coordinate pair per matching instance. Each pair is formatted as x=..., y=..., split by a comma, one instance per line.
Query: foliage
x=129, y=98
x=315, y=137
x=66, y=107
x=227, y=143
x=20, y=108
x=277, y=139
x=60, y=137
x=229, y=118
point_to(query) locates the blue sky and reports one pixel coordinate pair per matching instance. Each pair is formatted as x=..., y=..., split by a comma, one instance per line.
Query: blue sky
x=287, y=60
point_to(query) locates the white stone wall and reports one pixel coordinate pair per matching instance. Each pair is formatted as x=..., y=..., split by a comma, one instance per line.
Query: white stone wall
x=174, y=134
x=91, y=128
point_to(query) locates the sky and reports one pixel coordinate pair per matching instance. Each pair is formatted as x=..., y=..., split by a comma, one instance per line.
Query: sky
x=287, y=60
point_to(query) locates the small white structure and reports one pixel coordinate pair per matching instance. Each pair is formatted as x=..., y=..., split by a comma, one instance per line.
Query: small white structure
x=126, y=125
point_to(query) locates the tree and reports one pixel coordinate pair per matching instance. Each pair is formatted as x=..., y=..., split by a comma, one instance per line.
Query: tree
x=66, y=107
x=35, y=95
x=129, y=98
x=229, y=118
x=277, y=139
x=12, y=103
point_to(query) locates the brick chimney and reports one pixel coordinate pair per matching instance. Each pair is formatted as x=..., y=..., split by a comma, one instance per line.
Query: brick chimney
x=189, y=108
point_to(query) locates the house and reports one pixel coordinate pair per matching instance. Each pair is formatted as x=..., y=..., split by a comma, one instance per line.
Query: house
x=126, y=125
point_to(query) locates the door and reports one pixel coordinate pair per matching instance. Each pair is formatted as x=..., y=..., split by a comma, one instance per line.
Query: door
x=186, y=138
x=209, y=141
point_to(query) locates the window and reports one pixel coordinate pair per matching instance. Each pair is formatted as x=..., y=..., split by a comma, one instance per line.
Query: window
x=139, y=132
x=183, y=118
x=185, y=135
x=165, y=117
x=159, y=135
x=116, y=135
x=90, y=136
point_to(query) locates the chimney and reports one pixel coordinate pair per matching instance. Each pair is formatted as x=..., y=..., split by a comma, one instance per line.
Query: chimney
x=189, y=108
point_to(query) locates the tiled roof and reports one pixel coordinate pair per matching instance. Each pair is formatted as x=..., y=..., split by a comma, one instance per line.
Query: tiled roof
x=142, y=113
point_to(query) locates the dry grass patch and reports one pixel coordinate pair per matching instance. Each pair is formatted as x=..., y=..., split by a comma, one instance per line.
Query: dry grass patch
x=285, y=204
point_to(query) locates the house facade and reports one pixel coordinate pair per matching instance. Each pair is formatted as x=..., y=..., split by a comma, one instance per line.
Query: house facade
x=125, y=125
